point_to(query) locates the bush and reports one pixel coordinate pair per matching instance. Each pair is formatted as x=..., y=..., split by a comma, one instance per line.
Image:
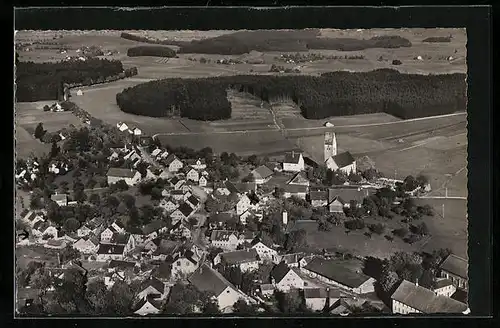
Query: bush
x=401, y=232
x=331, y=94
x=156, y=51
x=396, y=62
x=378, y=228
x=355, y=224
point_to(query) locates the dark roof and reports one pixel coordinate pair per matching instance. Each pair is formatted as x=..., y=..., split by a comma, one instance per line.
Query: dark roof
x=292, y=258
x=120, y=238
x=280, y=271
x=149, y=299
x=122, y=173
x=121, y=264
x=185, y=209
x=167, y=247
x=321, y=293
x=177, y=192
x=170, y=158
x=292, y=158
x=455, y=265
x=153, y=226
x=193, y=200
x=174, y=180
x=111, y=249
x=153, y=282
x=440, y=283
x=299, y=178
x=295, y=189
x=244, y=187
x=221, y=217
x=348, y=194
x=318, y=195
x=163, y=271
x=333, y=270
x=343, y=159
x=207, y=279
x=425, y=300
x=257, y=240
x=231, y=187
x=222, y=234
x=95, y=222
x=241, y=256
x=262, y=172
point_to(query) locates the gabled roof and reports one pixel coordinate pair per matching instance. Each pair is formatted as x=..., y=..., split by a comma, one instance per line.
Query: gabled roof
x=343, y=159
x=440, y=283
x=231, y=187
x=312, y=293
x=425, y=300
x=240, y=256
x=185, y=209
x=299, y=179
x=149, y=299
x=221, y=217
x=163, y=271
x=167, y=247
x=335, y=271
x=262, y=172
x=121, y=264
x=257, y=240
x=295, y=188
x=121, y=173
x=208, y=279
x=244, y=187
x=280, y=271
x=57, y=197
x=222, y=235
x=120, y=238
x=153, y=226
x=111, y=249
x=193, y=200
x=292, y=258
x=31, y=216
x=318, y=195
x=455, y=265
x=292, y=158
x=339, y=199
x=170, y=158
x=347, y=194
x=156, y=152
x=153, y=282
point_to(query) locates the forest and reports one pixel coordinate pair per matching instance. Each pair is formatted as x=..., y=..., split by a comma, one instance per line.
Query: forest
x=156, y=51
x=242, y=42
x=331, y=94
x=43, y=81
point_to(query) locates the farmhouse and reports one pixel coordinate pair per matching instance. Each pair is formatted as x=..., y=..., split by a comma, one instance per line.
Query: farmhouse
x=148, y=306
x=200, y=164
x=184, y=264
x=152, y=287
x=154, y=228
x=318, y=198
x=317, y=299
x=192, y=175
x=299, y=191
x=266, y=252
x=181, y=213
x=444, y=287
x=131, y=177
x=173, y=164
x=411, y=298
x=42, y=228
x=343, y=162
x=247, y=260
x=335, y=274
x=224, y=239
x=60, y=199
x=86, y=245
x=455, y=268
x=285, y=278
x=299, y=179
x=349, y=195
x=209, y=280
x=293, y=162
x=110, y=252
x=261, y=174
x=31, y=218
x=242, y=205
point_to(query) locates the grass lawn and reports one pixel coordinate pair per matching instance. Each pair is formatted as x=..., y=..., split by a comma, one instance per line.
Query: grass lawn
x=26, y=254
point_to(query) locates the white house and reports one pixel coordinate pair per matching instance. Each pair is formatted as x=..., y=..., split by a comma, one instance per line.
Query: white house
x=300, y=178
x=180, y=230
x=317, y=298
x=285, y=278
x=181, y=213
x=155, y=153
x=32, y=217
x=60, y=199
x=294, y=162
x=411, y=298
x=455, y=268
x=242, y=205
x=266, y=253
x=199, y=164
x=262, y=174
x=107, y=234
x=336, y=274
x=299, y=191
x=152, y=287
x=168, y=206
x=107, y=252
x=154, y=228
x=444, y=287
x=42, y=228
x=122, y=126
x=173, y=164
x=136, y=132
x=343, y=162
x=246, y=215
x=224, y=239
x=184, y=265
x=131, y=177
x=247, y=259
x=209, y=280
x=148, y=306
x=193, y=175
x=202, y=182
x=86, y=245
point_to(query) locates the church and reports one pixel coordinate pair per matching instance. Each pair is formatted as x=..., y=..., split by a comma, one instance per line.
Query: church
x=344, y=162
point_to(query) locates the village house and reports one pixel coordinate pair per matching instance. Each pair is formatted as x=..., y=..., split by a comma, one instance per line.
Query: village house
x=186, y=189
x=108, y=233
x=337, y=205
x=32, y=217
x=411, y=298
x=155, y=153
x=262, y=174
x=60, y=199
x=349, y=194
x=154, y=228
x=293, y=162
x=299, y=191
x=292, y=260
x=181, y=213
x=455, y=268
x=444, y=287
x=242, y=205
x=177, y=195
x=192, y=175
x=249, y=213
x=266, y=252
x=166, y=250
x=200, y=164
x=247, y=237
x=180, y=230
x=132, y=155
x=124, y=239
x=218, y=220
x=173, y=164
x=222, y=190
x=203, y=181
x=136, y=131
x=343, y=162
x=266, y=289
x=55, y=244
x=300, y=178
x=122, y=126
x=168, y=206
x=206, y=279
x=107, y=252
x=44, y=228
x=334, y=273
x=192, y=201
x=148, y=306
x=86, y=245
x=227, y=240
x=318, y=198
x=247, y=259
x=184, y=264
x=152, y=287
x=177, y=182
x=317, y=299
x=131, y=177
x=285, y=278
x=92, y=226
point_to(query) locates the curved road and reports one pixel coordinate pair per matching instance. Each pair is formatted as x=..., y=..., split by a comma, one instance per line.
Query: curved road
x=306, y=129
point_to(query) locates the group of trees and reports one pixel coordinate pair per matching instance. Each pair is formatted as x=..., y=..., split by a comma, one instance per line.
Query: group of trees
x=331, y=94
x=44, y=81
x=155, y=51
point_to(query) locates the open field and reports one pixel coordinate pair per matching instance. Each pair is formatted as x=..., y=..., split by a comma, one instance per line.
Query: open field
x=26, y=254
x=301, y=122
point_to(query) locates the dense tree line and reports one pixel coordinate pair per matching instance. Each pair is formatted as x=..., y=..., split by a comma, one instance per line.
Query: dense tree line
x=434, y=39
x=331, y=94
x=44, y=81
x=156, y=51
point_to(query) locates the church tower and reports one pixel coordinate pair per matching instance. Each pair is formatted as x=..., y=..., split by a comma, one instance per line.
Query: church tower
x=330, y=145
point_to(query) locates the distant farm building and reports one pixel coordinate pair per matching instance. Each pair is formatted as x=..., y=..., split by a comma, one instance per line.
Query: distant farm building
x=79, y=93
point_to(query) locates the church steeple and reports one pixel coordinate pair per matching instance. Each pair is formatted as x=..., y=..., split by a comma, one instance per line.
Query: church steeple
x=330, y=145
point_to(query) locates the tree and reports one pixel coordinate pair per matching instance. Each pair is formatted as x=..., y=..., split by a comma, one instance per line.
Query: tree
x=212, y=205
x=70, y=293
x=370, y=174
x=400, y=232
x=253, y=160
x=243, y=308
x=119, y=299
x=142, y=168
x=96, y=296
x=422, y=180
x=121, y=185
x=235, y=276
x=71, y=225
x=95, y=199
x=410, y=183
x=355, y=224
x=128, y=200
x=378, y=228
x=42, y=281
x=184, y=299
x=289, y=302
x=68, y=254
x=54, y=151
x=39, y=131
x=296, y=240
x=354, y=177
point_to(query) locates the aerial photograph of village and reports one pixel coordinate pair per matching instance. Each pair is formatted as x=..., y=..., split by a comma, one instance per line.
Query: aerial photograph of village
x=313, y=172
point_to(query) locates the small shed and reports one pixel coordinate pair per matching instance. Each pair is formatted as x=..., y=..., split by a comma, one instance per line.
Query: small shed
x=328, y=124
x=79, y=93
x=420, y=58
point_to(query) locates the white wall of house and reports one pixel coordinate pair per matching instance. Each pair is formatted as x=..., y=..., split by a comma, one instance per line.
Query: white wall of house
x=228, y=297
x=242, y=205
x=316, y=304
x=446, y=290
x=182, y=267
x=301, y=195
x=366, y=287
x=129, y=181
x=107, y=257
x=146, y=309
x=177, y=216
x=249, y=266
x=265, y=253
x=456, y=280
x=290, y=281
x=292, y=167
x=400, y=308
x=229, y=244
x=106, y=235
x=175, y=166
x=203, y=182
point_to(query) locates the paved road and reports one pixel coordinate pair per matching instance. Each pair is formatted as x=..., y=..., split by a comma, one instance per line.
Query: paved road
x=306, y=129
